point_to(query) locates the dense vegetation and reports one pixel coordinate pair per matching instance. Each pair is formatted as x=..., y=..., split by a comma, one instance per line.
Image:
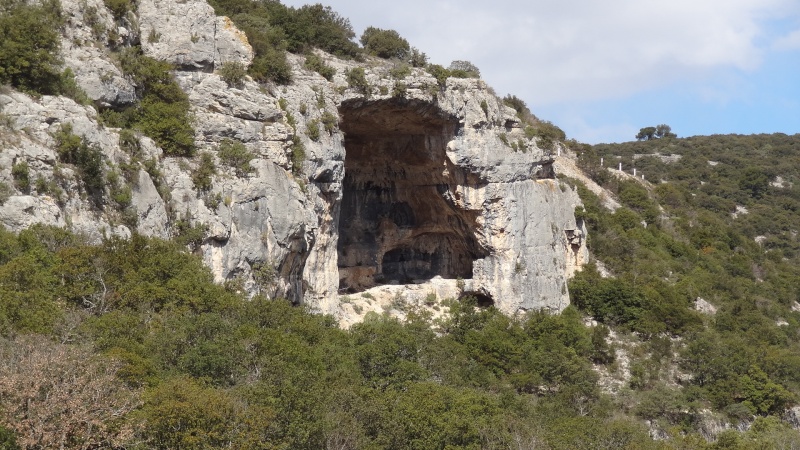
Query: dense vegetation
x=189, y=364
x=163, y=111
x=719, y=227
x=29, y=42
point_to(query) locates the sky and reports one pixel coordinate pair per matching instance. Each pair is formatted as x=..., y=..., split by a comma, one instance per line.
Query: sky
x=603, y=70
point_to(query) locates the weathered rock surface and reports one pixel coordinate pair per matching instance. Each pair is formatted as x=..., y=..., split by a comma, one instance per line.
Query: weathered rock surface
x=89, y=24
x=411, y=195
x=189, y=35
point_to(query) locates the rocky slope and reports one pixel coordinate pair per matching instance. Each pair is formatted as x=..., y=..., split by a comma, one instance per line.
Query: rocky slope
x=413, y=188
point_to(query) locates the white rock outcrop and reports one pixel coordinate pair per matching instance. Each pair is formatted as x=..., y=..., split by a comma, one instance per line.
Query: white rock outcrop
x=189, y=35
x=403, y=191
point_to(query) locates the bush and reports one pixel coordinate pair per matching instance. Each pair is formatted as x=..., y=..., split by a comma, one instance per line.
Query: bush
x=520, y=107
x=400, y=71
x=119, y=8
x=440, y=73
x=163, y=113
x=464, y=69
x=168, y=124
x=609, y=300
x=356, y=79
x=29, y=44
x=400, y=90
x=5, y=193
x=546, y=134
x=330, y=121
x=268, y=42
x=88, y=158
x=271, y=66
x=8, y=439
x=233, y=73
x=22, y=177
x=315, y=63
x=235, y=154
x=298, y=155
x=68, y=87
x=417, y=58
x=205, y=170
x=385, y=44
x=312, y=130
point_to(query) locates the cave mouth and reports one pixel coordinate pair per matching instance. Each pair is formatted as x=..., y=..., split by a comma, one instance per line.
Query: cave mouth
x=400, y=222
x=481, y=300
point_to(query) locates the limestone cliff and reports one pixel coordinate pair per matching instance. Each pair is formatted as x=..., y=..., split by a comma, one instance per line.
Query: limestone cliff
x=413, y=192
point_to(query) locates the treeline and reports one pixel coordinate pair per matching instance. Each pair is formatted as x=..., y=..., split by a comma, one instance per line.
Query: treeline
x=273, y=29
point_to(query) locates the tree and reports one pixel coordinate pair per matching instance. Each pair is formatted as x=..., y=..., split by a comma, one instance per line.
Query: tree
x=664, y=131
x=385, y=43
x=29, y=42
x=646, y=134
x=657, y=132
x=464, y=69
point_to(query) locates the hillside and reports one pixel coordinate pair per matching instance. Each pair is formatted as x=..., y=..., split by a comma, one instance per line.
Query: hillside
x=229, y=225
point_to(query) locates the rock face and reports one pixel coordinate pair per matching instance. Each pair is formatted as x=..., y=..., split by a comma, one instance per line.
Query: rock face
x=189, y=35
x=410, y=192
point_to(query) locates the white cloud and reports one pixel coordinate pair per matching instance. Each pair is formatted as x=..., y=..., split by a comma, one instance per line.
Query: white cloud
x=577, y=49
x=790, y=41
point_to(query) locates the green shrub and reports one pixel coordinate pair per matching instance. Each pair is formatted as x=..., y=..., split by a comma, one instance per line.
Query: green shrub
x=357, y=79
x=330, y=121
x=385, y=44
x=188, y=235
x=464, y=69
x=440, y=73
x=8, y=439
x=88, y=158
x=91, y=18
x=504, y=139
x=609, y=300
x=545, y=133
x=233, y=73
x=153, y=36
x=201, y=177
x=5, y=193
x=129, y=143
x=298, y=155
x=119, y=8
x=399, y=90
x=417, y=58
x=235, y=154
x=315, y=63
x=315, y=26
x=69, y=88
x=168, y=124
x=312, y=130
x=163, y=114
x=120, y=193
x=400, y=71
x=22, y=177
x=29, y=44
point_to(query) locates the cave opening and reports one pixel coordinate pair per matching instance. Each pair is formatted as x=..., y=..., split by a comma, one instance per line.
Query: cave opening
x=400, y=220
x=481, y=300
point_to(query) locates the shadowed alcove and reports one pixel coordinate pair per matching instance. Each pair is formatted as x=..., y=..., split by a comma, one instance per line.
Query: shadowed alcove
x=400, y=221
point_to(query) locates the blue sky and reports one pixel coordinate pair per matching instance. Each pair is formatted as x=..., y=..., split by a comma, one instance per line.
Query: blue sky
x=602, y=70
